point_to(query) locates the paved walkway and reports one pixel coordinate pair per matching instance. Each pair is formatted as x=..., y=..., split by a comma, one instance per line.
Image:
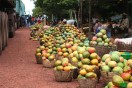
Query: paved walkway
x=18, y=68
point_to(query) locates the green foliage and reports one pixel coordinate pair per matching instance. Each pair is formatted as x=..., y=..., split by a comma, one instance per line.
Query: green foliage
x=61, y=7
x=39, y=3
x=37, y=11
x=57, y=7
x=130, y=2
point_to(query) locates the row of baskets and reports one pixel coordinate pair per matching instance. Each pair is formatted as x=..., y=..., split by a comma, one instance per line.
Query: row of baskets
x=67, y=76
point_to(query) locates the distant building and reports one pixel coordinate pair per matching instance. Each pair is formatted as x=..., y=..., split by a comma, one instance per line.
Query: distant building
x=20, y=7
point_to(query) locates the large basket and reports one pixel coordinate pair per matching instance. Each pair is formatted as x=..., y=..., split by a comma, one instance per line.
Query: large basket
x=75, y=73
x=38, y=59
x=41, y=43
x=73, y=63
x=124, y=47
x=58, y=57
x=101, y=50
x=107, y=76
x=87, y=83
x=48, y=64
x=63, y=76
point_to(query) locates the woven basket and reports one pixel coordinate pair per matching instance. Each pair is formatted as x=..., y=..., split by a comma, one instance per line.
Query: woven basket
x=101, y=50
x=63, y=76
x=48, y=64
x=87, y=83
x=58, y=57
x=38, y=59
x=75, y=73
x=124, y=47
x=74, y=64
x=107, y=76
x=41, y=43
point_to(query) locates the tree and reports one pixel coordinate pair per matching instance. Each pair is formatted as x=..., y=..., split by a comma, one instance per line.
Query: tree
x=57, y=7
x=39, y=3
x=104, y=8
x=111, y=7
x=37, y=11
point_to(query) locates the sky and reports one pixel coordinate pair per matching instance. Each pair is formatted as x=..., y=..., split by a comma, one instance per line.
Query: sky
x=29, y=6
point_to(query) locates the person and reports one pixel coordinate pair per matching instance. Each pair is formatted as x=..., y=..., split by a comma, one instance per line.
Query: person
x=18, y=22
x=64, y=21
x=71, y=22
x=75, y=24
x=94, y=19
x=54, y=23
x=60, y=23
x=97, y=26
x=124, y=25
x=28, y=22
x=35, y=20
x=22, y=21
x=109, y=28
x=39, y=19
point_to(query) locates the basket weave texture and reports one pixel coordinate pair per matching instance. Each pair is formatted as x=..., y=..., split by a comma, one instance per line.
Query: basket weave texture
x=63, y=76
x=38, y=59
x=87, y=83
x=107, y=76
x=101, y=50
x=48, y=64
x=124, y=47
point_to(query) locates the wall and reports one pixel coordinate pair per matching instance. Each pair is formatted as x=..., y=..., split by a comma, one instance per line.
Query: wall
x=20, y=7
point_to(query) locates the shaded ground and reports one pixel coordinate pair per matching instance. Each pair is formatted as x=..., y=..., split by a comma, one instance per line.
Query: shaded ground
x=18, y=68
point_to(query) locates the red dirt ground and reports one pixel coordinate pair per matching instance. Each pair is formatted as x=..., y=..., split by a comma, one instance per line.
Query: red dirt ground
x=18, y=68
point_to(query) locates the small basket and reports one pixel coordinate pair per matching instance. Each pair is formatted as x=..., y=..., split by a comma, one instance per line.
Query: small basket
x=101, y=50
x=63, y=76
x=38, y=59
x=59, y=57
x=41, y=43
x=107, y=76
x=75, y=73
x=87, y=83
x=56, y=56
x=48, y=64
x=74, y=64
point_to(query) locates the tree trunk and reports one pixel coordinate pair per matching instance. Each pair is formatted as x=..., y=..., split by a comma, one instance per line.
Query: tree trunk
x=89, y=16
x=81, y=13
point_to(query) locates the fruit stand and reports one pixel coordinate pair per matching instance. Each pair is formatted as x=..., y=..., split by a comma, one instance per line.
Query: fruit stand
x=73, y=56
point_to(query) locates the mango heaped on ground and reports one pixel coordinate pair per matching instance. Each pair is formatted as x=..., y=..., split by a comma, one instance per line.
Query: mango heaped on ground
x=63, y=65
x=113, y=62
x=120, y=81
x=84, y=73
x=101, y=39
